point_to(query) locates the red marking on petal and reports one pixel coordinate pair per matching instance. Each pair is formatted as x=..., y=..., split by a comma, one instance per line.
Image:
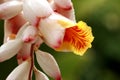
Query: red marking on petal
x=58, y=77
x=36, y=24
x=37, y=21
x=29, y=39
x=55, y=10
x=67, y=8
x=25, y=56
x=59, y=42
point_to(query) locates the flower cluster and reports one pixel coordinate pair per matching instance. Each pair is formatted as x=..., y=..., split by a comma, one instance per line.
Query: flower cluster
x=29, y=23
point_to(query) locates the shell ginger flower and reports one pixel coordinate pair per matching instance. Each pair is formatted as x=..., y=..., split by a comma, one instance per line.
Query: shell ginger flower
x=29, y=23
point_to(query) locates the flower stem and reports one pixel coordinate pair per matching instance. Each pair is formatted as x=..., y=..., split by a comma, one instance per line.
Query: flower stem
x=32, y=62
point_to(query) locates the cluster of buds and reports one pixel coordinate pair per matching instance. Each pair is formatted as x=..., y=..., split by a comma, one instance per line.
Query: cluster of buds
x=29, y=23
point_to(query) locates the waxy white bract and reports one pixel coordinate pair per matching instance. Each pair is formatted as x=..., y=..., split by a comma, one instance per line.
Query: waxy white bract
x=10, y=49
x=21, y=72
x=48, y=64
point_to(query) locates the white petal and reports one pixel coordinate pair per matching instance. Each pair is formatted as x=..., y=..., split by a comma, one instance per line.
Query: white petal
x=34, y=9
x=40, y=75
x=29, y=35
x=51, y=31
x=21, y=72
x=10, y=9
x=48, y=64
x=10, y=49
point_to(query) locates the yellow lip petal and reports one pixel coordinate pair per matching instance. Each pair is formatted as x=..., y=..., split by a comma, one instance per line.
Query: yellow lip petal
x=78, y=38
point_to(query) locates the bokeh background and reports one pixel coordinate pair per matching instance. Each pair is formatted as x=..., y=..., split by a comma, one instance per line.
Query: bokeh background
x=102, y=61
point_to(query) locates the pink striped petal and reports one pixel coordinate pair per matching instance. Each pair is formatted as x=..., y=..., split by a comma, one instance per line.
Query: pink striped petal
x=35, y=9
x=48, y=64
x=10, y=49
x=40, y=75
x=21, y=72
x=10, y=9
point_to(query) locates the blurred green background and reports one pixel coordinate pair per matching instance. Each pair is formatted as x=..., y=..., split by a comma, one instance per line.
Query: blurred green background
x=102, y=61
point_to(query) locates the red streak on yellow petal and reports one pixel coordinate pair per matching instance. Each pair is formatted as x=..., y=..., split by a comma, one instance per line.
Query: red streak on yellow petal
x=73, y=35
x=79, y=37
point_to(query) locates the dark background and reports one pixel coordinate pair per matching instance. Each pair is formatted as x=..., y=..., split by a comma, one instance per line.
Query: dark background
x=102, y=61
